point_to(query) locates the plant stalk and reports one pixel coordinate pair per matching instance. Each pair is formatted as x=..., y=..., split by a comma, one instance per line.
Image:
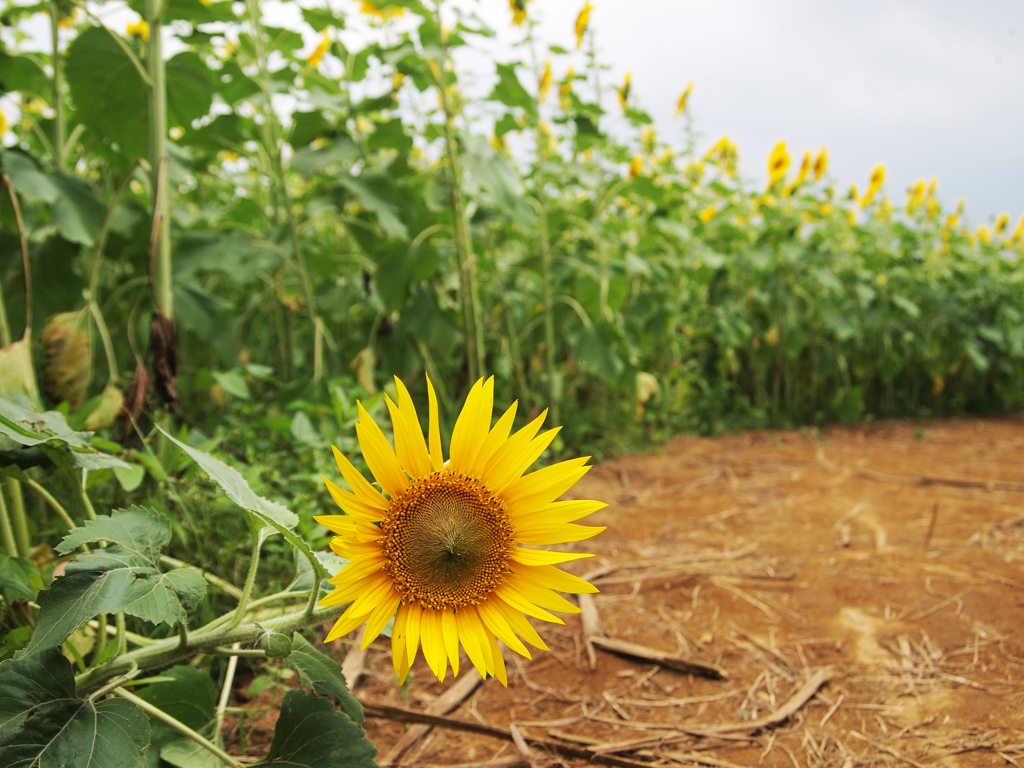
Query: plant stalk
x=250, y=578
x=6, y=531
x=162, y=279
x=58, y=87
x=177, y=725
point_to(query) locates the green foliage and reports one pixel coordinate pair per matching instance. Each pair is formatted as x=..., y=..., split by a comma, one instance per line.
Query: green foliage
x=120, y=578
x=43, y=723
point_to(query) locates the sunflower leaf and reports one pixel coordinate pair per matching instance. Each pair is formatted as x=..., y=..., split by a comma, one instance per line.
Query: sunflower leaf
x=43, y=722
x=238, y=490
x=311, y=733
x=323, y=675
x=121, y=577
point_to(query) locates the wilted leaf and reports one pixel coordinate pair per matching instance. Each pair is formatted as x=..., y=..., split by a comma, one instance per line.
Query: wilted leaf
x=106, y=411
x=16, y=371
x=163, y=344
x=68, y=365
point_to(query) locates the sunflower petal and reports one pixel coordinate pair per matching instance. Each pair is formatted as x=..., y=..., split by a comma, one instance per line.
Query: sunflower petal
x=412, y=631
x=398, y=642
x=379, y=455
x=499, y=660
x=515, y=468
x=496, y=623
x=472, y=426
x=558, y=512
x=540, y=596
x=336, y=523
x=553, y=578
x=380, y=617
x=544, y=534
x=519, y=624
x=412, y=448
x=345, y=624
x=436, y=457
x=433, y=643
x=544, y=557
x=469, y=639
x=494, y=440
x=450, y=632
x=366, y=492
x=501, y=468
x=536, y=490
x=353, y=504
x=515, y=599
x=478, y=628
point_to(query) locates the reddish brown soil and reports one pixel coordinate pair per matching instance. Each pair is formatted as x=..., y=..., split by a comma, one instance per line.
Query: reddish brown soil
x=774, y=555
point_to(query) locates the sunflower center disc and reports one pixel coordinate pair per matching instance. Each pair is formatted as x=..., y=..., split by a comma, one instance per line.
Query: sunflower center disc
x=447, y=541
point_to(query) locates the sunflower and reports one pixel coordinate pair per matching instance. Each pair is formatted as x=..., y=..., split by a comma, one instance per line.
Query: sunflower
x=518, y=8
x=681, y=104
x=582, y=22
x=440, y=549
x=624, y=91
x=380, y=11
x=778, y=163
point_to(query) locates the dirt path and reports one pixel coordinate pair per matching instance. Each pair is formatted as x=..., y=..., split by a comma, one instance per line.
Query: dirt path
x=773, y=557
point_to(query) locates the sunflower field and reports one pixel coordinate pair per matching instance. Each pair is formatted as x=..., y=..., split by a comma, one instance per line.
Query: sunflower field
x=224, y=232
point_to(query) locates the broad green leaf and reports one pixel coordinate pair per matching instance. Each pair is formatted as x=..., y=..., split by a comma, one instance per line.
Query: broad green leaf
x=322, y=18
x=510, y=92
x=233, y=383
x=130, y=477
x=311, y=733
x=374, y=191
x=233, y=484
x=185, y=753
x=304, y=431
x=493, y=171
x=185, y=693
x=22, y=423
x=323, y=675
x=43, y=724
x=20, y=73
x=139, y=530
x=78, y=213
x=28, y=181
x=121, y=577
x=19, y=579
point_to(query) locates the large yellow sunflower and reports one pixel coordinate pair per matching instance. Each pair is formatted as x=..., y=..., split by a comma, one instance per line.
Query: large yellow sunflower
x=439, y=550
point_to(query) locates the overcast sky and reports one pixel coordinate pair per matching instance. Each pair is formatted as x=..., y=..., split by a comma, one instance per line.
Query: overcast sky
x=927, y=88
x=932, y=87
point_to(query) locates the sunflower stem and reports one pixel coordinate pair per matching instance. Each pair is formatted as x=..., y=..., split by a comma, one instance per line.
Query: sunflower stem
x=177, y=725
x=167, y=651
x=250, y=578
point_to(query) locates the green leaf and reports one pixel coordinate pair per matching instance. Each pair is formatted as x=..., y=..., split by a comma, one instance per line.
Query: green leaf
x=492, y=170
x=311, y=733
x=19, y=579
x=122, y=577
x=510, y=92
x=375, y=192
x=322, y=18
x=20, y=73
x=139, y=530
x=130, y=477
x=43, y=723
x=28, y=181
x=21, y=422
x=185, y=693
x=233, y=484
x=323, y=675
x=233, y=383
x=78, y=213
x=112, y=99
x=198, y=12
x=185, y=753
x=17, y=376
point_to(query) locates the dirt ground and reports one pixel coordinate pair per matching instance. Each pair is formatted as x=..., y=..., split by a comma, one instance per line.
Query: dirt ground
x=884, y=559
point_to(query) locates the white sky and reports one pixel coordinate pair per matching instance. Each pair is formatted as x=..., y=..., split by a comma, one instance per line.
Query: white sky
x=926, y=87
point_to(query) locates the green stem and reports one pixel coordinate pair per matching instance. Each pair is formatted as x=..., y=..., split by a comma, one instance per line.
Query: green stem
x=167, y=651
x=101, y=637
x=163, y=283
x=472, y=327
x=108, y=345
x=250, y=578
x=177, y=725
x=58, y=87
x=89, y=511
x=217, y=581
x=225, y=689
x=554, y=395
x=6, y=532
x=55, y=505
x=272, y=140
x=16, y=504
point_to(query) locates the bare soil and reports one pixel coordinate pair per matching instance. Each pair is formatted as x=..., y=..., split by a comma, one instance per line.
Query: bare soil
x=886, y=557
